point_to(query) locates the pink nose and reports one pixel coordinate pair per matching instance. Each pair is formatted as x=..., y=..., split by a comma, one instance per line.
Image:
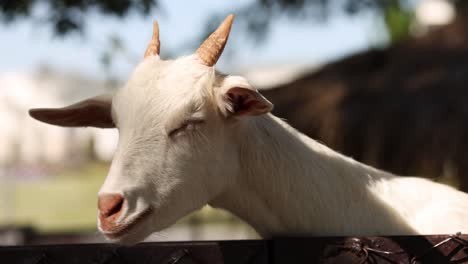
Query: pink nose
x=110, y=207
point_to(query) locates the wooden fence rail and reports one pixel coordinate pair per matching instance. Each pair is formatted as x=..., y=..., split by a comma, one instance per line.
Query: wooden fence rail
x=397, y=249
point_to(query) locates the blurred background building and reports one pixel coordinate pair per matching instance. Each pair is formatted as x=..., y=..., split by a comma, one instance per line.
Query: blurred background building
x=382, y=81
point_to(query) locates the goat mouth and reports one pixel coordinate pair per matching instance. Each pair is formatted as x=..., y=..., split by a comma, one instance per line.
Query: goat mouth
x=122, y=230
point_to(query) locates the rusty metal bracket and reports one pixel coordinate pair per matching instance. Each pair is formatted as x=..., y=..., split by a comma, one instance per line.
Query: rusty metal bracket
x=177, y=256
x=455, y=237
x=43, y=259
x=362, y=249
x=110, y=257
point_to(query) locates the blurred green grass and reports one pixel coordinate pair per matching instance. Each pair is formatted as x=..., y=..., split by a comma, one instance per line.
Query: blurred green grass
x=66, y=202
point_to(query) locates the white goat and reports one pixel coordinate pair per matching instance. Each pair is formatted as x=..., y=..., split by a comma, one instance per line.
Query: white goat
x=190, y=136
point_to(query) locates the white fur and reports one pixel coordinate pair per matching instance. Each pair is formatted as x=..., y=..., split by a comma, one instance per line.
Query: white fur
x=275, y=178
x=291, y=184
x=258, y=167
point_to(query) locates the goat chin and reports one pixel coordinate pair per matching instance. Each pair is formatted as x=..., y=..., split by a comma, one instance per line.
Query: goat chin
x=132, y=237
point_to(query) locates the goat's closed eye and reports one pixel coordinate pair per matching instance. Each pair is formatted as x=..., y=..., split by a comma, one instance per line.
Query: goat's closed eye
x=187, y=125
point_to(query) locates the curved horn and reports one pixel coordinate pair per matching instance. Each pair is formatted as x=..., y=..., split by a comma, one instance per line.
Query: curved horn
x=210, y=50
x=153, y=46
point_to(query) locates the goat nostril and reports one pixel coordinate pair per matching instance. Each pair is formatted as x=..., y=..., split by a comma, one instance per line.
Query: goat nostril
x=110, y=204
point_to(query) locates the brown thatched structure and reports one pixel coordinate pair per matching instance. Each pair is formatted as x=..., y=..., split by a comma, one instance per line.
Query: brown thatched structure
x=403, y=109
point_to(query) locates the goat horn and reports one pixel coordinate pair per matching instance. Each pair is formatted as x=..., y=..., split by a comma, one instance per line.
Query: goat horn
x=153, y=46
x=210, y=50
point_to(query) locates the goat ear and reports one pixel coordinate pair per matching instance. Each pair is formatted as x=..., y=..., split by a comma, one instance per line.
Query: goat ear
x=239, y=98
x=93, y=112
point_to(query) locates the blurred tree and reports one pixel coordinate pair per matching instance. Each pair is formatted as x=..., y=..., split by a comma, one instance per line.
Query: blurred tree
x=68, y=15
x=255, y=17
x=258, y=16
x=397, y=20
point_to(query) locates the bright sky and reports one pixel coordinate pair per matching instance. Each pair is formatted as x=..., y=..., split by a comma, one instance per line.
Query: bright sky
x=25, y=46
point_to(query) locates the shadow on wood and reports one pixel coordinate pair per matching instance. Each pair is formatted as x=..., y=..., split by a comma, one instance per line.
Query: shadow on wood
x=398, y=249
